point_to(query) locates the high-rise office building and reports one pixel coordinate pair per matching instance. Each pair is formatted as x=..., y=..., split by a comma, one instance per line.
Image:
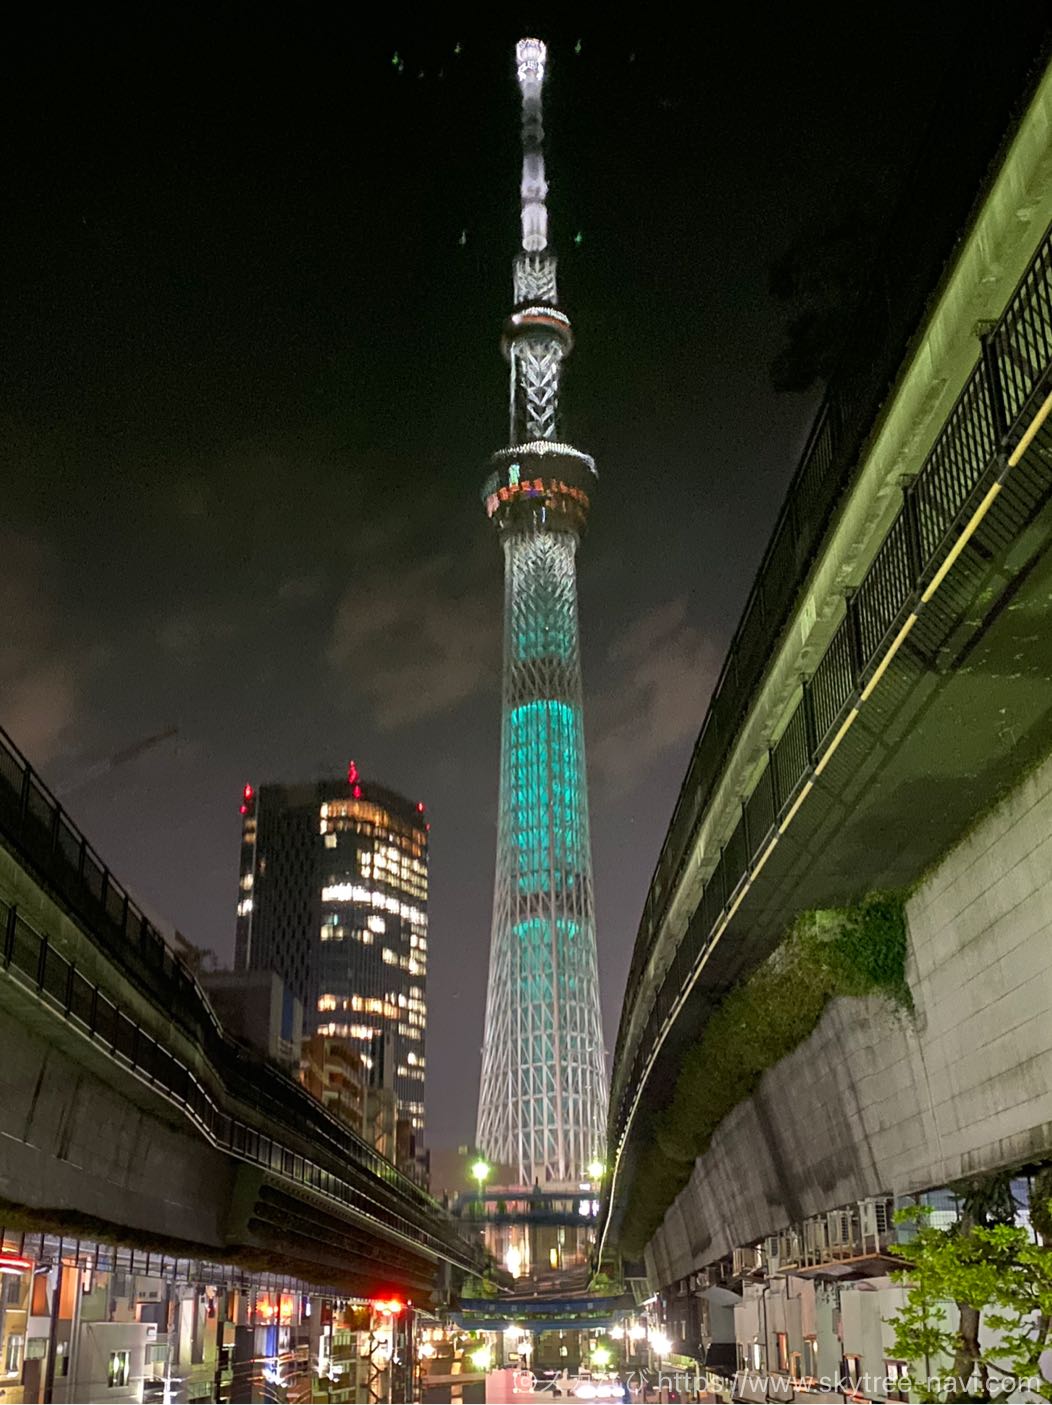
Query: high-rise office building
x=333, y=897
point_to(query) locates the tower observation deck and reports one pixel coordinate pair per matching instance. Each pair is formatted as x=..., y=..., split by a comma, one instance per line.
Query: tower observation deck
x=542, y=1102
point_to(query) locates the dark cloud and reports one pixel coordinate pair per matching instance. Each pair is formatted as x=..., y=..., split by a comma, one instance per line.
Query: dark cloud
x=666, y=669
x=188, y=633
x=418, y=641
x=41, y=672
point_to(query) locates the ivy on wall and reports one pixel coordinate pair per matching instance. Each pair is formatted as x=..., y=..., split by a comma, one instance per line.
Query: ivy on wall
x=853, y=951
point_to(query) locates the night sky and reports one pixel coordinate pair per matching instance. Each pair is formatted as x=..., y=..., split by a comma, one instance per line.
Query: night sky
x=255, y=276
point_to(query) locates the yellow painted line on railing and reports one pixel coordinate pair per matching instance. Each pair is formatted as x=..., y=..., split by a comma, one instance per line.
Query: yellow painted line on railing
x=804, y=793
x=737, y=901
x=895, y=645
x=1033, y=427
x=765, y=855
x=841, y=734
x=962, y=541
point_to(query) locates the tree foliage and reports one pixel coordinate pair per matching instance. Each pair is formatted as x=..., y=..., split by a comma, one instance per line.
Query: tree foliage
x=604, y=1285
x=985, y=1268
x=1041, y=1205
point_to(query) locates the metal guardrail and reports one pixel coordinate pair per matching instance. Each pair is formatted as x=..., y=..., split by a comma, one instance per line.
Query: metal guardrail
x=28, y=955
x=885, y=321
x=989, y=415
x=37, y=828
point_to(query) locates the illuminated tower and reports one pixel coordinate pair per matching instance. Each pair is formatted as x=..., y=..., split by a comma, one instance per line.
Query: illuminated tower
x=542, y=1103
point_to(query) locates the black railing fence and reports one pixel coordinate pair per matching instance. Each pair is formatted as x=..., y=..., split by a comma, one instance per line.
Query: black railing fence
x=992, y=412
x=316, y=1150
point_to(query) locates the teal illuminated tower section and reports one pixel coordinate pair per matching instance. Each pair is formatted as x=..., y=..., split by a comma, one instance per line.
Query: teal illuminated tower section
x=542, y=1103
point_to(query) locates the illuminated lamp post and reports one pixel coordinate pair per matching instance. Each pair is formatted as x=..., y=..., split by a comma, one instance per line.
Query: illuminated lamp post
x=480, y=1171
x=660, y=1345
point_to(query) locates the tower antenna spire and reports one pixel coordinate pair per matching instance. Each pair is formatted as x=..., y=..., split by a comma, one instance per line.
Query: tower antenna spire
x=531, y=57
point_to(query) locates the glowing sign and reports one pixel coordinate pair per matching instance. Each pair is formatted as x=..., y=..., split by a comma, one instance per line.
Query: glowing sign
x=535, y=488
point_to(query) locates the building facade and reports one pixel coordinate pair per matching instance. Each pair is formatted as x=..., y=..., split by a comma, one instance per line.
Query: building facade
x=542, y=1101
x=808, y=1313
x=85, y=1321
x=356, y=1084
x=257, y=1007
x=333, y=898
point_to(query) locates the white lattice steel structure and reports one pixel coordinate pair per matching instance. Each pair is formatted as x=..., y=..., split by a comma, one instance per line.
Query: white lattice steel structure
x=542, y=1104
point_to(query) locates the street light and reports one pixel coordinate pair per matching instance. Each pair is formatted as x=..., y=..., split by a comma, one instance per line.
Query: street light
x=596, y=1169
x=660, y=1345
x=480, y=1358
x=480, y=1170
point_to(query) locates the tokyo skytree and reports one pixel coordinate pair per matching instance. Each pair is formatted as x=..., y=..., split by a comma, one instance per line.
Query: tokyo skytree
x=542, y=1102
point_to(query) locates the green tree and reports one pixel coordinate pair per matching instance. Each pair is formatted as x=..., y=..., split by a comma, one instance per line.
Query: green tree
x=1041, y=1205
x=983, y=1201
x=603, y=1285
x=993, y=1268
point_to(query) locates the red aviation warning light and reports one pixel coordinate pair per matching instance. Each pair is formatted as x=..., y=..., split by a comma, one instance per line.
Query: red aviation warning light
x=352, y=773
x=247, y=796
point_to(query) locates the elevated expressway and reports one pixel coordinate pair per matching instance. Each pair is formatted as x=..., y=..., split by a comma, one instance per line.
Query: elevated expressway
x=890, y=677
x=129, y=1116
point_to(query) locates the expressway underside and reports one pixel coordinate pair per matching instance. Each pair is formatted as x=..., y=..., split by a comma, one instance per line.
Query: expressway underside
x=129, y=1117
x=961, y=713
x=90, y=1152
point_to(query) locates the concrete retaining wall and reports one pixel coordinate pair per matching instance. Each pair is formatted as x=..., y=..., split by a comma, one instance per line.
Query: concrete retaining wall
x=71, y=1143
x=877, y=1101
